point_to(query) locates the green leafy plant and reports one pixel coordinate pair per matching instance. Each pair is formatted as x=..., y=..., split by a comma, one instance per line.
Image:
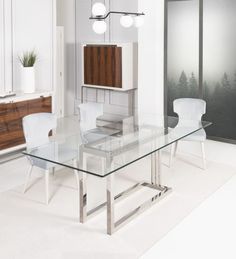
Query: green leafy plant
x=28, y=59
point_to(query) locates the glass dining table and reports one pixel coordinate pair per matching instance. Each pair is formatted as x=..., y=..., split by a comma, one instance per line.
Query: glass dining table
x=117, y=145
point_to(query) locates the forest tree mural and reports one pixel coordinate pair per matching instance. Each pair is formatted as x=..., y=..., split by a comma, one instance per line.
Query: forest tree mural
x=219, y=96
x=217, y=63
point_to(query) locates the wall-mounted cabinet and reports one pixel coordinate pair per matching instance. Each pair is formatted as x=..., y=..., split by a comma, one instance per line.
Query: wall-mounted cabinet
x=103, y=65
x=5, y=46
x=110, y=66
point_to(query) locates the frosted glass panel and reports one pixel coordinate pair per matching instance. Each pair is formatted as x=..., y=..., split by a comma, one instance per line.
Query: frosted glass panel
x=183, y=50
x=219, y=60
x=220, y=66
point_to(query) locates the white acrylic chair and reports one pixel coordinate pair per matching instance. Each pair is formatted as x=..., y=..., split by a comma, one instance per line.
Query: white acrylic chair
x=190, y=112
x=89, y=132
x=88, y=114
x=36, y=129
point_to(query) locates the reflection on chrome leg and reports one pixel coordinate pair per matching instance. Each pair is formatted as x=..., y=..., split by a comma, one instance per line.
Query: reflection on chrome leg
x=83, y=197
x=156, y=168
x=110, y=205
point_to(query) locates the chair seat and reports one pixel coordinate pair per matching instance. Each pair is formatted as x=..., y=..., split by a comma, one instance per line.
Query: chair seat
x=97, y=134
x=52, y=152
x=43, y=164
x=199, y=135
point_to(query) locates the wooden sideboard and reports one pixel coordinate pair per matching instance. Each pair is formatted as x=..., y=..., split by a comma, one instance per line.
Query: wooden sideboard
x=11, y=114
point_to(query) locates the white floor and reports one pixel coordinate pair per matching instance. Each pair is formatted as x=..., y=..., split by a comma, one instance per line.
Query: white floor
x=208, y=232
x=29, y=229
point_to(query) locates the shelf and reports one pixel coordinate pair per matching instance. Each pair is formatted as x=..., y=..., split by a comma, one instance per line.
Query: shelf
x=108, y=88
x=24, y=97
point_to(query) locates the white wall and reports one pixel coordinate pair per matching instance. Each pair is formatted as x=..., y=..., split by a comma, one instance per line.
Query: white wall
x=33, y=29
x=66, y=18
x=151, y=57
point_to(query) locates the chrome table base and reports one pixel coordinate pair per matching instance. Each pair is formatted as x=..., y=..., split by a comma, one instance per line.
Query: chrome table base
x=113, y=225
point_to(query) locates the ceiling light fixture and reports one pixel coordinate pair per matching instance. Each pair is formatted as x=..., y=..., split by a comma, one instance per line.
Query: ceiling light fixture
x=99, y=26
x=127, y=19
x=138, y=21
x=99, y=9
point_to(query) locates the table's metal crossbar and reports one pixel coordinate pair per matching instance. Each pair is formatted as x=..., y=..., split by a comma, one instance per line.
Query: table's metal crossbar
x=113, y=225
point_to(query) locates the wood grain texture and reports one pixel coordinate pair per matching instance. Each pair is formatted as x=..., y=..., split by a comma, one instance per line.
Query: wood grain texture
x=103, y=65
x=11, y=114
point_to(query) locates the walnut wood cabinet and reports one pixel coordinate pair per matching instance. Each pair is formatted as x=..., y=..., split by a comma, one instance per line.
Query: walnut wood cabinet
x=11, y=114
x=103, y=65
x=110, y=66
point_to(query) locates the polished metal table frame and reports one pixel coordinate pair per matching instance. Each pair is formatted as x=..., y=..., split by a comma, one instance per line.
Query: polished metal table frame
x=112, y=225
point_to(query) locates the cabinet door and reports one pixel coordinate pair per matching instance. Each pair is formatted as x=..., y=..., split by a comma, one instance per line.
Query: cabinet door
x=11, y=114
x=103, y=66
x=5, y=45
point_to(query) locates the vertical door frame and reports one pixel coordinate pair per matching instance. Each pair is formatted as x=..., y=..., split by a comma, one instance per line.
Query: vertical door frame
x=200, y=72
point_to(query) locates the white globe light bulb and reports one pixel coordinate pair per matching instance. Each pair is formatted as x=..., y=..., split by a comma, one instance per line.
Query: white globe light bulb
x=126, y=21
x=138, y=21
x=98, y=9
x=99, y=27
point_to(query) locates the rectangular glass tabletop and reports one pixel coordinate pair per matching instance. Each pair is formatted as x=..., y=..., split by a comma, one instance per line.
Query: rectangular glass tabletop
x=113, y=146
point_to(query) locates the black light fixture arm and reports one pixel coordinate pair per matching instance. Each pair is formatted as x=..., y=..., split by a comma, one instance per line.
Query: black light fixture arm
x=101, y=17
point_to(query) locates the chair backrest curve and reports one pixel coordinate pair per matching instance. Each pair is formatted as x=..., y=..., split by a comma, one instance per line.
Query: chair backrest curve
x=88, y=115
x=36, y=128
x=189, y=110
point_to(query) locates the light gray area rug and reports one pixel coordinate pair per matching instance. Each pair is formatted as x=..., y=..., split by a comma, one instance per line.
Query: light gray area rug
x=31, y=230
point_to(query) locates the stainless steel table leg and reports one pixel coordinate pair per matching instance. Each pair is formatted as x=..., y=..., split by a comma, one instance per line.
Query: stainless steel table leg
x=83, y=197
x=112, y=225
x=156, y=168
x=131, y=98
x=159, y=168
x=110, y=205
x=153, y=168
x=82, y=189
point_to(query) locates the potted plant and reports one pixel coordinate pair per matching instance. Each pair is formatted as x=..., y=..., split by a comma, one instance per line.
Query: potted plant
x=28, y=60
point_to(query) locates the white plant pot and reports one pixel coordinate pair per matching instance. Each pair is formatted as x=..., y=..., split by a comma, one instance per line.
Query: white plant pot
x=28, y=79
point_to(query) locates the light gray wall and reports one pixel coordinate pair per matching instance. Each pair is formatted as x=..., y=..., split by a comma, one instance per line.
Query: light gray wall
x=151, y=57
x=66, y=18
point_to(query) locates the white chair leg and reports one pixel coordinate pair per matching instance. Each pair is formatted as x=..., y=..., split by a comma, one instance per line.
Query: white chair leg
x=103, y=164
x=53, y=171
x=76, y=173
x=176, y=146
x=171, y=155
x=47, y=186
x=173, y=151
x=28, y=178
x=203, y=155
